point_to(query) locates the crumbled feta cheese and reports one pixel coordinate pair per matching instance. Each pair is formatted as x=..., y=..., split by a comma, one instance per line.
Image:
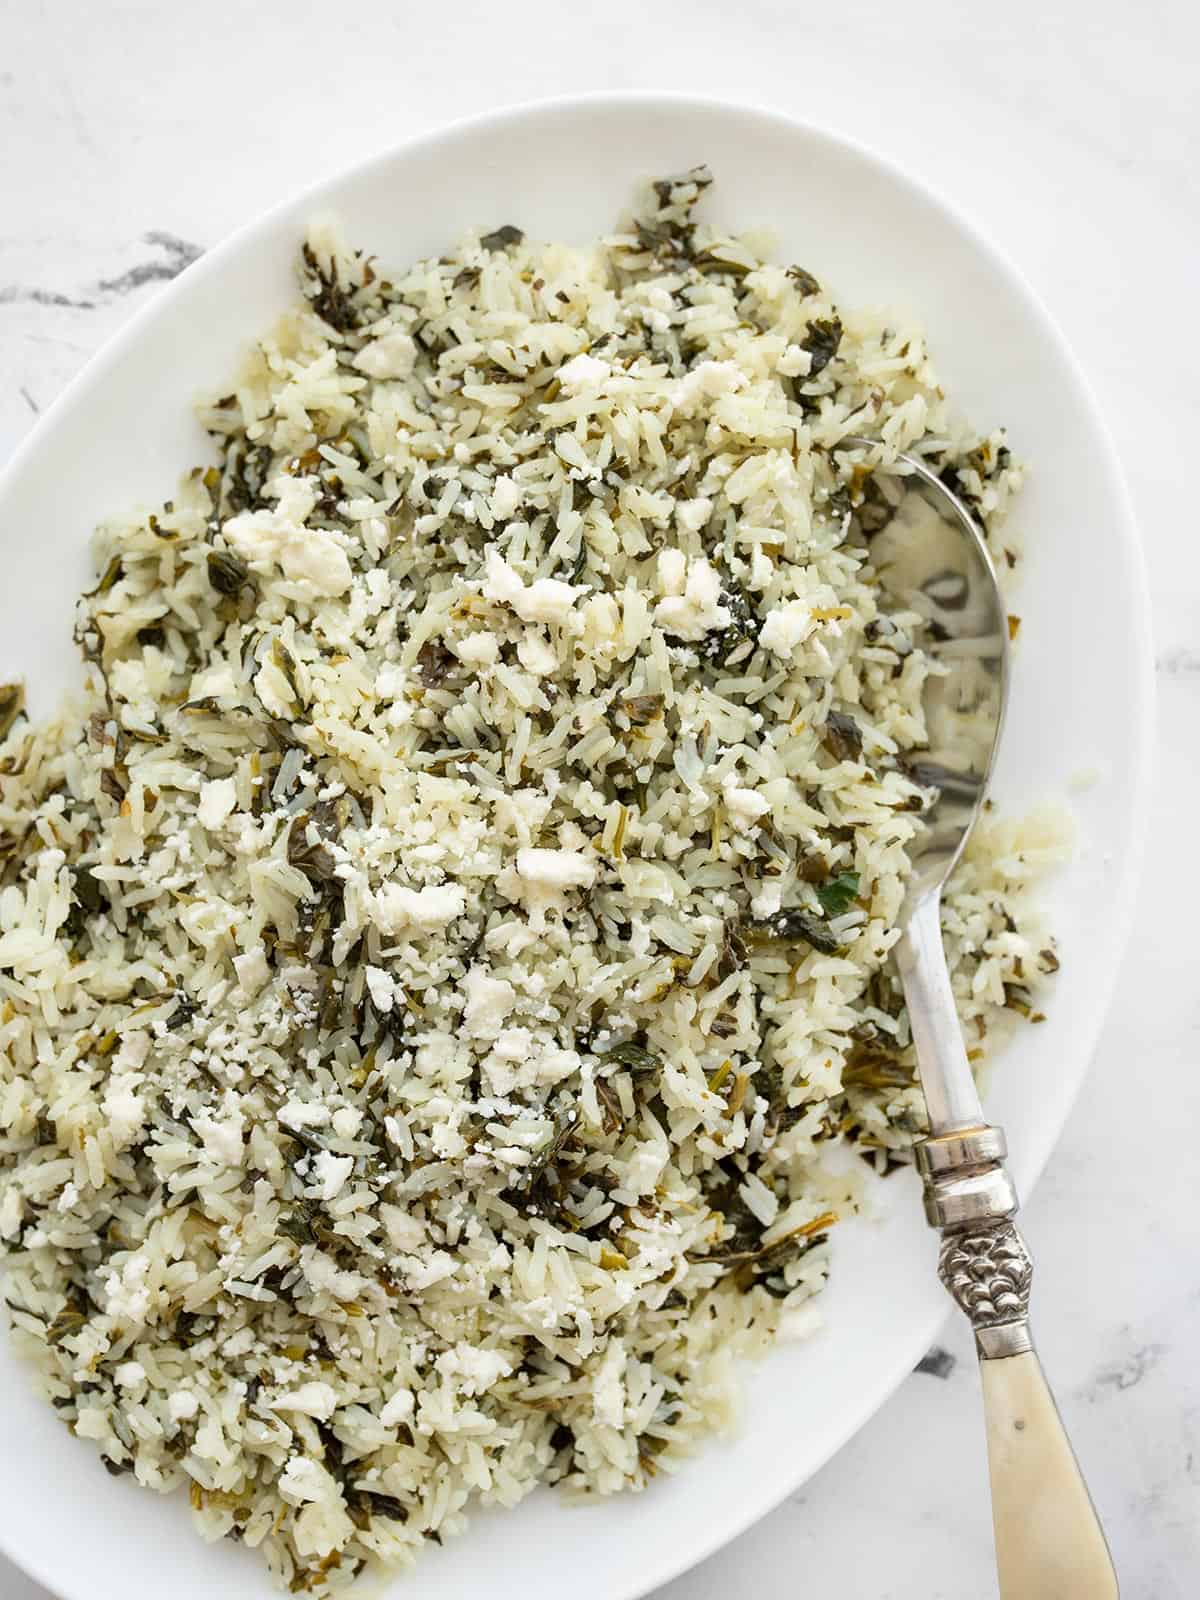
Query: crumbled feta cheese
x=92, y=1424
x=581, y=373
x=124, y=1108
x=476, y=1370
x=213, y=682
x=134, y=1048
x=744, y=806
x=448, y=1143
x=521, y=812
x=347, y=1120
x=222, y=1136
x=537, y=655
x=127, y=1295
x=552, y=1063
x=330, y=1173
x=217, y=799
x=698, y=610
x=552, y=871
x=391, y=354
x=644, y=1168
x=379, y=585
x=601, y=622
x=182, y=1405
x=506, y=497
x=381, y=986
x=489, y=1001
x=512, y=1044
x=795, y=362
x=786, y=626
x=310, y=1399
x=544, y=600
x=519, y=1060
x=252, y=970
x=540, y=878
x=405, y=1232
x=608, y=1386
x=280, y=536
x=319, y=560
x=692, y=515
x=767, y=898
x=478, y=649
x=129, y=1374
x=397, y=909
x=672, y=571
x=762, y=568
x=434, y=1269
x=326, y=1277
x=510, y=939
x=303, y=1114
x=397, y=1408
x=304, y=1480
x=706, y=381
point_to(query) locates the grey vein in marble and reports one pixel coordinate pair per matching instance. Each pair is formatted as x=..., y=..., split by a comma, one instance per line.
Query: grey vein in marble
x=1128, y=1373
x=177, y=254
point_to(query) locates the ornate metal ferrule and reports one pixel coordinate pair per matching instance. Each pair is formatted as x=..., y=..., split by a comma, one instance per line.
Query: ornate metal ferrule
x=984, y=1264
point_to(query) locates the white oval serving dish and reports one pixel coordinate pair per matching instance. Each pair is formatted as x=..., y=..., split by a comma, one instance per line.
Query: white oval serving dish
x=122, y=433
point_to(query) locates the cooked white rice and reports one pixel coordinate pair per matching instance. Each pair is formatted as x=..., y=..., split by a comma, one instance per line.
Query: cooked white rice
x=400, y=1104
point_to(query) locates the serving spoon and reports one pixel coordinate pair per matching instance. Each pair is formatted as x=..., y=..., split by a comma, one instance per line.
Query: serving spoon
x=1049, y=1543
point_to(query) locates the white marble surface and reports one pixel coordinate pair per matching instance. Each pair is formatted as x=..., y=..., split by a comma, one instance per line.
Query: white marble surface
x=135, y=133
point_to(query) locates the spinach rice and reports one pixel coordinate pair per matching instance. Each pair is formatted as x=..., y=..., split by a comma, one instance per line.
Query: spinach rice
x=444, y=983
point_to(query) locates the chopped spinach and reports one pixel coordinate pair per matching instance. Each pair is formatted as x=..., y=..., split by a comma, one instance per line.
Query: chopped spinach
x=805, y=283
x=642, y=709
x=633, y=1058
x=502, y=237
x=842, y=736
x=838, y=894
x=331, y=299
x=822, y=341
x=435, y=663
x=798, y=924
x=227, y=573
x=743, y=627
x=12, y=703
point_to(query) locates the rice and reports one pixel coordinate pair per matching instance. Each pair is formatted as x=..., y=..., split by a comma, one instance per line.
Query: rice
x=407, y=1097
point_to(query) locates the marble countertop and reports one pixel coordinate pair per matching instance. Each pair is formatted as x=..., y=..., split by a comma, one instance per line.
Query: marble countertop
x=137, y=134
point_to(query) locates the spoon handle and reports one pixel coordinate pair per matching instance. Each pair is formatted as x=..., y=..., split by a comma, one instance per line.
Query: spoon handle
x=1049, y=1543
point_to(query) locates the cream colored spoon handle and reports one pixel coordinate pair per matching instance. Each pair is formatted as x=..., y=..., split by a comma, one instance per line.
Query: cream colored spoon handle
x=1049, y=1544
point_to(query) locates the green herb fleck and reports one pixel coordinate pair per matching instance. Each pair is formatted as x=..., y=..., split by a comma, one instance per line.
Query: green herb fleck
x=839, y=894
x=633, y=1058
